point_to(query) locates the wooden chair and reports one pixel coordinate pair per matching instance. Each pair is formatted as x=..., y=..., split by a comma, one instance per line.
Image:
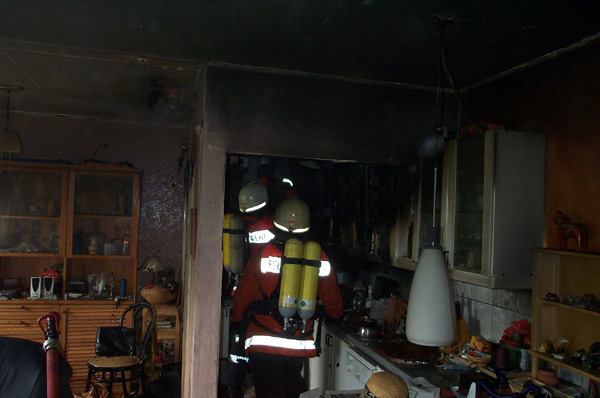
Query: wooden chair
x=130, y=366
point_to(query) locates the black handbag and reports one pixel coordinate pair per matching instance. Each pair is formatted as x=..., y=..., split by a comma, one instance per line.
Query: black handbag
x=112, y=341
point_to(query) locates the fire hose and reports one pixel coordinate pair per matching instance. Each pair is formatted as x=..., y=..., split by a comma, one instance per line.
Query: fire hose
x=52, y=348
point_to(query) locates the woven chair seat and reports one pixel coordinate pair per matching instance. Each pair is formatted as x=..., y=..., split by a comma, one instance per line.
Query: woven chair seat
x=114, y=362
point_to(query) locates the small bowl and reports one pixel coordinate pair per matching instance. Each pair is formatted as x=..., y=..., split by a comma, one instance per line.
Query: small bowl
x=547, y=376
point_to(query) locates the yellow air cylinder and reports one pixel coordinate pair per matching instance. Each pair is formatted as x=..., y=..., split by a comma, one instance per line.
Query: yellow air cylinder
x=233, y=243
x=226, y=242
x=291, y=271
x=307, y=299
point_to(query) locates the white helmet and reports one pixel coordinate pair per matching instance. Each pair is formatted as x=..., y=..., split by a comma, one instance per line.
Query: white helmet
x=293, y=216
x=253, y=196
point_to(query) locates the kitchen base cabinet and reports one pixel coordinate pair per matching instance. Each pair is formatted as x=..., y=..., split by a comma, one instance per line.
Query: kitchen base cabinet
x=339, y=359
x=564, y=274
x=78, y=325
x=328, y=371
x=317, y=375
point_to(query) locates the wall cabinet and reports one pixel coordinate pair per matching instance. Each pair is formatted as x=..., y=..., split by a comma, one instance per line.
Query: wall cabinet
x=564, y=274
x=83, y=219
x=493, y=207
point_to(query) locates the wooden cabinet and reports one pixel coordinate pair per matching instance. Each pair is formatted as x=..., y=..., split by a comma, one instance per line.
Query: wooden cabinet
x=168, y=331
x=78, y=325
x=49, y=214
x=564, y=274
x=493, y=207
x=83, y=219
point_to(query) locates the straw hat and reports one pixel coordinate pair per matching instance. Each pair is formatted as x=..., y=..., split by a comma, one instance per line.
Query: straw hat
x=385, y=385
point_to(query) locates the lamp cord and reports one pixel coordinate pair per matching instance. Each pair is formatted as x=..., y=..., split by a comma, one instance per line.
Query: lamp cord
x=444, y=65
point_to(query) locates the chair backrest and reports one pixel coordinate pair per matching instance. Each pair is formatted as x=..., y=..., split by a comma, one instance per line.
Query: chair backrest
x=144, y=331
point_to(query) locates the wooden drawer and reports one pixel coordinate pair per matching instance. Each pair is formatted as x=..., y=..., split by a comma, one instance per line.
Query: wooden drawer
x=20, y=320
x=78, y=326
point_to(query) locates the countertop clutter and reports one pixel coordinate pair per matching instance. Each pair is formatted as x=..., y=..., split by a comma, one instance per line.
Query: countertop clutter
x=373, y=349
x=426, y=372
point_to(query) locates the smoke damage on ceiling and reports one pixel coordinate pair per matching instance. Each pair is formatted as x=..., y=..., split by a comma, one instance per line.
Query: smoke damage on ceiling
x=140, y=62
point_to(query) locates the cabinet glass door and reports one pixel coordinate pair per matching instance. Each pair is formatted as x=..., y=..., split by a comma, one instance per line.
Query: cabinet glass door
x=30, y=211
x=102, y=215
x=468, y=222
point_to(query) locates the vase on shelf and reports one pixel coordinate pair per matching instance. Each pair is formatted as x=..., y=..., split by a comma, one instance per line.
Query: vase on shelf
x=95, y=240
x=94, y=247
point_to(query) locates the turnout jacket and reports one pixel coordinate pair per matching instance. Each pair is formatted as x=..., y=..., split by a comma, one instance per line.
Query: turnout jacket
x=265, y=332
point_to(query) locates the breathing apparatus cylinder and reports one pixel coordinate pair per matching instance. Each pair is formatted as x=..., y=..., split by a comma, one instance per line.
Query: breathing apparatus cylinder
x=307, y=300
x=233, y=243
x=291, y=271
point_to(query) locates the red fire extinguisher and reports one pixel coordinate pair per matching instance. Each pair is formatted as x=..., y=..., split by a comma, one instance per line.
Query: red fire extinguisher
x=52, y=348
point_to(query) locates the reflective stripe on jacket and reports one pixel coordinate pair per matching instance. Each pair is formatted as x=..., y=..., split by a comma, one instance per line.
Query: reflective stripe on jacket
x=259, y=233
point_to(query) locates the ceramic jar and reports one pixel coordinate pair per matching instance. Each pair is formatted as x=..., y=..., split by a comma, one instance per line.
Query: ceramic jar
x=94, y=247
x=547, y=376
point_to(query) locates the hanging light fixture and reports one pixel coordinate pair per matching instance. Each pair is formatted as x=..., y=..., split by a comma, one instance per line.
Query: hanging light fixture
x=10, y=141
x=430, y=318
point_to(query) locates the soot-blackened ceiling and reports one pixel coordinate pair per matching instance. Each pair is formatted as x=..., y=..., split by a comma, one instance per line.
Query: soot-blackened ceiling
x=140, y=60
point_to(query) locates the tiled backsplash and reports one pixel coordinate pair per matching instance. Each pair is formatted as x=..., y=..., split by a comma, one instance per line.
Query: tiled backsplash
x=489, y=311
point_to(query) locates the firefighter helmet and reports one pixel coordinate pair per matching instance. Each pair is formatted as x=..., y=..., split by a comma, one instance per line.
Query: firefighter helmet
x=292, y=215
x=252, y=197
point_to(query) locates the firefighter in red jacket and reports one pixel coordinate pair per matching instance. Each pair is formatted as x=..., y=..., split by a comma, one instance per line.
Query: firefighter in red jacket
x=253, y=202
x=276, y=352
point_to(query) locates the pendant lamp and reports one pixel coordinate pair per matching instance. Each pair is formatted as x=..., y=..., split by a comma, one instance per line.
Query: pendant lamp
x=430, y=317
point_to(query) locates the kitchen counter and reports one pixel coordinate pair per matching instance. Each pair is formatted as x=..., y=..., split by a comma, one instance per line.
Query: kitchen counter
x=436, y=376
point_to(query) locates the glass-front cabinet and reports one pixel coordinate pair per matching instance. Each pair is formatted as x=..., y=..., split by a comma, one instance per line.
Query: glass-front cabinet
x=32, y=224
x=104, y=212
x=468, y=213
x=79, y=221
x=493, y=207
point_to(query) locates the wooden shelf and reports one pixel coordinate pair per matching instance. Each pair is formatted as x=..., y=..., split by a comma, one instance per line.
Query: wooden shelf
x=566, y=307
x=569, y=366
x=18, y=254
x=567, y=253
x=102, y=216
x=171, y=313
x=563, y=273
x=29, y=217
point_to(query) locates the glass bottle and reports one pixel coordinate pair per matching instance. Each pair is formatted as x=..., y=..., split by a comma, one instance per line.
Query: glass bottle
x=126, y=241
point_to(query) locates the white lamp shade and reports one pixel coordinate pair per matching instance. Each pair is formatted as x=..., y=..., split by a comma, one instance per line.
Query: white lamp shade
x=430, y=315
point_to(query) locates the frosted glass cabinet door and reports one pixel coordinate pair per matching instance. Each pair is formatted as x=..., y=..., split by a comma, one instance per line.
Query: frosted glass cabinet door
x=30, y=211
x=493, y=207
x=102, y=214
x=468, y=221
